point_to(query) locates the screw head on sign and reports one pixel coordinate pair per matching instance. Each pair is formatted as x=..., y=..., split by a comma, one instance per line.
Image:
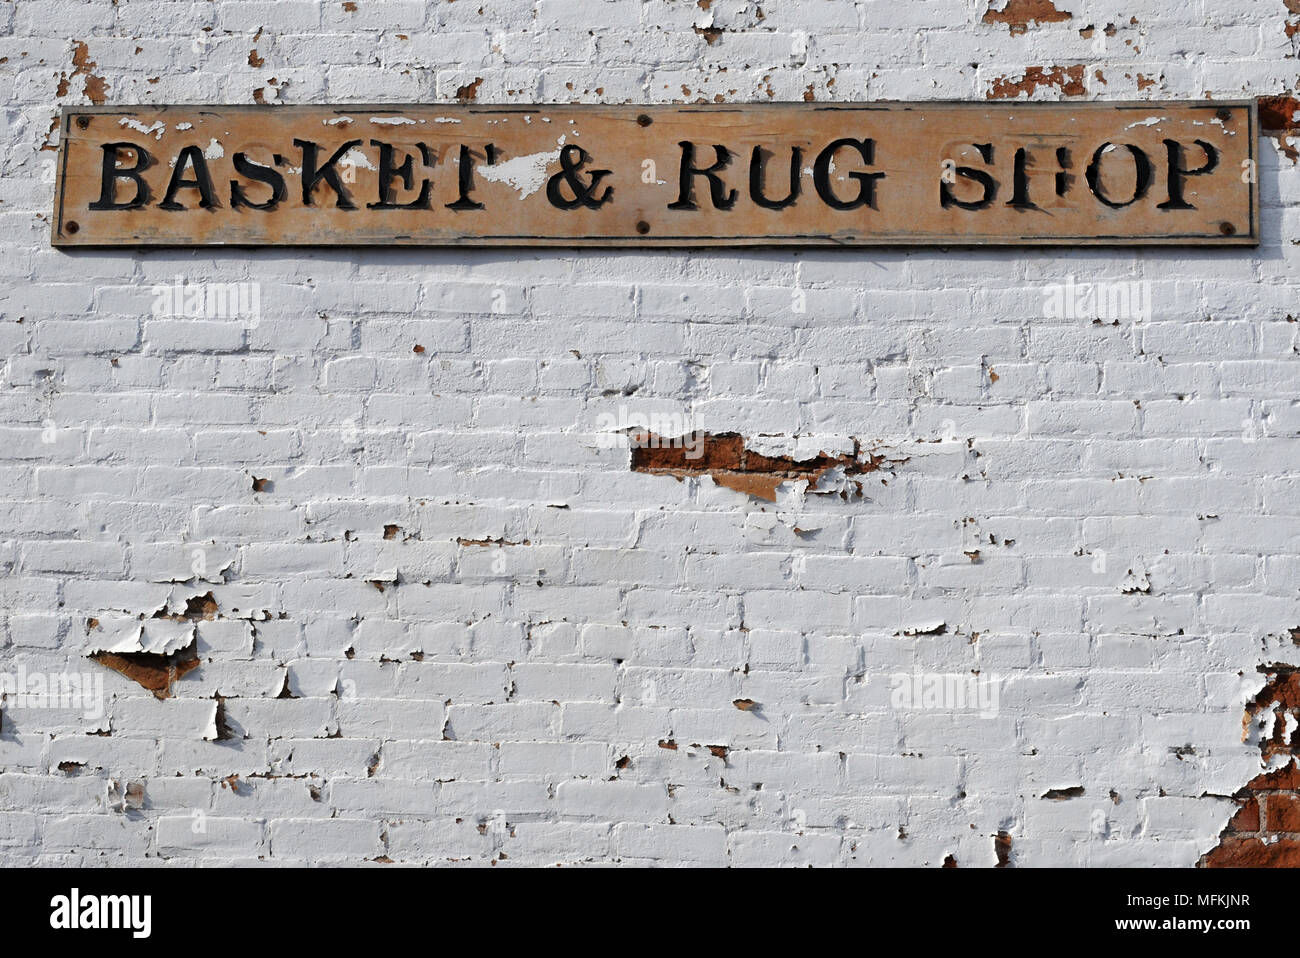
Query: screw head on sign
x=644, y=120
x=642, y=227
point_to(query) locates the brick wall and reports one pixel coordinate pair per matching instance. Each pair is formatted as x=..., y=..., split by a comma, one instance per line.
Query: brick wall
x=368, y=569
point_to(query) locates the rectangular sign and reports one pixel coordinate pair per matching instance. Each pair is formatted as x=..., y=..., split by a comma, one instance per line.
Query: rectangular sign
x=787, y=174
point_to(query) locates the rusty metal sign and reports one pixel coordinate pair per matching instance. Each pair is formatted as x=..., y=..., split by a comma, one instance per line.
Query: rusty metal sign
x=708, y=175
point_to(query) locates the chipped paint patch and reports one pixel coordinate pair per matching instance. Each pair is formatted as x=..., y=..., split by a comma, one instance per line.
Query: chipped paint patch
x=727, y=459
x=1019, y=14
x=155, y=129
x=527, y=174
x=1068, y=80
x=469, y=91
x=355, y=157
x=151, y=670
x=1264, y=832
x=1279, y=118
x=94, y=86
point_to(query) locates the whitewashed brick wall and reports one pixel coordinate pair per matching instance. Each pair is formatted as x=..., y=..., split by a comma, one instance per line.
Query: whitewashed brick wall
x=503, y=671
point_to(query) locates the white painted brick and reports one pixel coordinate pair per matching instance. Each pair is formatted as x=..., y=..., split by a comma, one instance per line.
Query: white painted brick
x=545, y=613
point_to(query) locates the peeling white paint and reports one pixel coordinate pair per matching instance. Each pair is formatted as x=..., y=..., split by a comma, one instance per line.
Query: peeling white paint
x=354, y=157
x=155, y=129
x=527, y=174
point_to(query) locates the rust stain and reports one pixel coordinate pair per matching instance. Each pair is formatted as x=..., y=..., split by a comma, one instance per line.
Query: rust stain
x=469, y=91
x=1069, y=80
x=1265, y=830
x=254, y=60
x=151, y=670
x=710, y=34
x=1018, y=14
x=725, y=458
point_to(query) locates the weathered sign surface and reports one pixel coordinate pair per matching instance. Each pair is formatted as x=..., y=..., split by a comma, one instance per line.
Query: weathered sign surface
x=707, y=175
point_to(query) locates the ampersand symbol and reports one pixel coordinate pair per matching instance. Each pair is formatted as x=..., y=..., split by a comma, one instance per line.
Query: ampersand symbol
x=573, y=157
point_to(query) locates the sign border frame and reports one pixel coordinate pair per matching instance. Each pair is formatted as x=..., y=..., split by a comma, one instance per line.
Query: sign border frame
x=1251, y=238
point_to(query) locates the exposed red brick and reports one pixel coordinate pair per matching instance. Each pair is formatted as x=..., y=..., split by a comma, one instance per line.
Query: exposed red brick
x=1018, y=14
x=1279, y=117
x=82, y=65
x=1283, y=812
x=1267, y=840
x=1253, y=853
x=1287, y=777
x=725, y=458
x=1002, y=848
x=469, y=91
x=1069, y=80
x=1278, y=113
x=152, y=671
x=1247, y=817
